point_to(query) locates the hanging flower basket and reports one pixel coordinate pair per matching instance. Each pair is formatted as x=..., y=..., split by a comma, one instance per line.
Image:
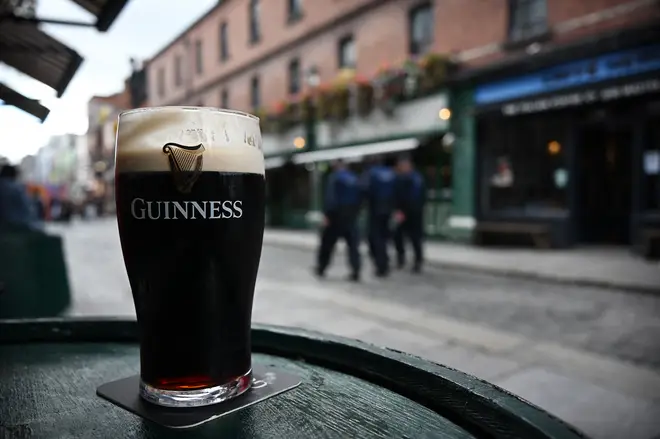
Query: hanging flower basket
x=362, y=93
x=389, y=88
x=340, y=103
x=435, y=69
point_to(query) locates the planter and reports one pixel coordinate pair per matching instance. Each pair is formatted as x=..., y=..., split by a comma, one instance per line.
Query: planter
x=435, y=69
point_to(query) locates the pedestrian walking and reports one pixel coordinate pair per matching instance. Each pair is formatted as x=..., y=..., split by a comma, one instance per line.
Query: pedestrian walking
x=16, y=207
x=410, y=197
x=341, y=208
x=378, y=186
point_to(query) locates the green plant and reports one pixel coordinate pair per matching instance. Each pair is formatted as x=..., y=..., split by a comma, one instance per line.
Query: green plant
x=435, y=68
x=340, y=102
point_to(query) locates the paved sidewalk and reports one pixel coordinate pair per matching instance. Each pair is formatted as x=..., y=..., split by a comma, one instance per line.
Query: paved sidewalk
x=602, y=267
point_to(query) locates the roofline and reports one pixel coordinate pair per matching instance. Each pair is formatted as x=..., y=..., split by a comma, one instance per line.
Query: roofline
x=179, y=37
x=281, y=49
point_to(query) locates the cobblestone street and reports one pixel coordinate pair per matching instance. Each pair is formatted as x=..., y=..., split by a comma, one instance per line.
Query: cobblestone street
x=590, y=356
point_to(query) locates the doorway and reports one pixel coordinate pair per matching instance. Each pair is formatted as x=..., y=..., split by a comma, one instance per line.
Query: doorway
x=604, y=184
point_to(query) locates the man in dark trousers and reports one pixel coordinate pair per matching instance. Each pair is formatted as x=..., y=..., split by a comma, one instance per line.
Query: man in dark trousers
x=342, y=205
x=378, y=186
x=410, y=197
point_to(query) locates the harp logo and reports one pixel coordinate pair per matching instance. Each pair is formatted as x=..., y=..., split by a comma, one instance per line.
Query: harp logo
x=186, y=164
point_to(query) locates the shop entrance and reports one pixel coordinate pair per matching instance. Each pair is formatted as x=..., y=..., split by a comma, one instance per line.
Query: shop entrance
x=604, y=184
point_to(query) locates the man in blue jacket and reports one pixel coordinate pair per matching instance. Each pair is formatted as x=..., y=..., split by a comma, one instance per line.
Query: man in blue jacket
x=16, y=207
x=341, y=208
x=378, y=186
x=410, y=197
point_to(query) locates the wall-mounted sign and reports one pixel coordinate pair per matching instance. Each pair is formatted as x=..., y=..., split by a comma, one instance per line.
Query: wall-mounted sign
x=583, y=97
x=571, y=75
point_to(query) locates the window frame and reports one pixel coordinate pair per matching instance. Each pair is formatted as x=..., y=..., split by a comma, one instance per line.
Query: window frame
x=160, y=81
x=255, y=92
x=341, y=44
x=199, y=57
x=412, y=14
x=254, y=17
x=525, y=30
x=223, y=41
x=224, y=98
x=178, y=70
x=294, y=71
x=294, y=11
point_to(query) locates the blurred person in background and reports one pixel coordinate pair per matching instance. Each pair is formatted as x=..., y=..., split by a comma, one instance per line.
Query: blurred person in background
x=378, y=187
x=410, y=196
x=342, y=205
x=16, y=206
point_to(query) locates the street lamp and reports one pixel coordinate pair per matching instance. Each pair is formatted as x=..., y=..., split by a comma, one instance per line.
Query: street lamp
x=313, y=80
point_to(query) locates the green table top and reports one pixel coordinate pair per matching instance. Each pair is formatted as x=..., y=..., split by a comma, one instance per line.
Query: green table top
x=49, y=371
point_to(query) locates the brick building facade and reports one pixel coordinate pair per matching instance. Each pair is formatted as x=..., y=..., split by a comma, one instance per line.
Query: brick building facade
x=193, y=69
x=254, y=55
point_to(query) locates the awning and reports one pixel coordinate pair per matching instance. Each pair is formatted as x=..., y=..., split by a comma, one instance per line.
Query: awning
x=105, y=11
x=14, y=98
x=353, y=152
x=274, y=162
x=26, y=48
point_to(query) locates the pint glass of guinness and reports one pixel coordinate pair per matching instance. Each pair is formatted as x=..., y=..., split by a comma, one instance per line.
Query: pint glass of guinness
x=190, y=206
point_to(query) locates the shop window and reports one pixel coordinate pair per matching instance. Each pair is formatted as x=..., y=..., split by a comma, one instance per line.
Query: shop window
x=527, y=19
x=524, y=169
x=421, y=29
x=651, y=167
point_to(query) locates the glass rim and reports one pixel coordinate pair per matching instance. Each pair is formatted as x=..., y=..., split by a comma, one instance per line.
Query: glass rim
x=190, y=108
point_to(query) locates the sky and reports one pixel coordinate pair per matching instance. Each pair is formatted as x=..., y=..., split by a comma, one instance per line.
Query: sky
x=142, y=28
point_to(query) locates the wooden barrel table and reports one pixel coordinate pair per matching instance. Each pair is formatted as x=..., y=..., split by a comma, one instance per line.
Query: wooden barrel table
x=50, y=369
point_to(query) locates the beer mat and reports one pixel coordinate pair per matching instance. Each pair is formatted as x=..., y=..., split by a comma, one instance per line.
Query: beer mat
x=266, y=383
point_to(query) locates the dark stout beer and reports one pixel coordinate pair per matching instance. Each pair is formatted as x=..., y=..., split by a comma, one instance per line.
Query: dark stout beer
x=191, y=220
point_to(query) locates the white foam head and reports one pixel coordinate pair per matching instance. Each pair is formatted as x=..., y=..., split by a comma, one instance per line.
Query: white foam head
x=231, y=139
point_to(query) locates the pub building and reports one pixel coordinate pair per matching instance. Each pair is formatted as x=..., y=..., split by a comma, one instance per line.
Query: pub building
x=567, y=150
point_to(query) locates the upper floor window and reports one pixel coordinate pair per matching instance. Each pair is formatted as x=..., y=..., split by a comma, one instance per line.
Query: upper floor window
x=255, y=93
x=224, y=98
x=199, y=57
x=178, y=70
x=294, y=10
x=527, y=18
x=161, y=82
x=255, y=25
x=224, y=43
x=294, y=76
x=347, y=55
x=421, y=29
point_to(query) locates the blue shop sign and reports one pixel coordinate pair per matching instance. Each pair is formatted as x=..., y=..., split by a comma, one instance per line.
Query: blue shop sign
x=574, y=74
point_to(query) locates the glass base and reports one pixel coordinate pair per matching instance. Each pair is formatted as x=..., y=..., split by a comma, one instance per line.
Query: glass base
x=196, y=397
